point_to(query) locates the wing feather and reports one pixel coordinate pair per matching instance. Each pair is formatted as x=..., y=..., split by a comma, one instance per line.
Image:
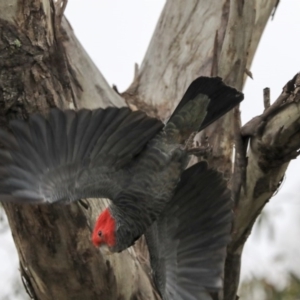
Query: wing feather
x=190, y=237
x=71, y=155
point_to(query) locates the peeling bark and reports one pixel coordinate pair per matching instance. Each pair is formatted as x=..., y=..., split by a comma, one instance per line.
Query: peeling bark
x=43, y=65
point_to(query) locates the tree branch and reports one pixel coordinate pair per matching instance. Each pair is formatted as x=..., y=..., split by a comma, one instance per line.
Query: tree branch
x=274, y=142
x=179, y=51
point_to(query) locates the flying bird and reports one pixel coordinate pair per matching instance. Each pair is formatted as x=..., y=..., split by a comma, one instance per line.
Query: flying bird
x=132, y=159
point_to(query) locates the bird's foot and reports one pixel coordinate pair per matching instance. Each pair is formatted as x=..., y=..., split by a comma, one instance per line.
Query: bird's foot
x=200, y=151
x=194, y=148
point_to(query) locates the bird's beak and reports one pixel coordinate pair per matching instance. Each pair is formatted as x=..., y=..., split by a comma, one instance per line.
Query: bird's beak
x=104, y=249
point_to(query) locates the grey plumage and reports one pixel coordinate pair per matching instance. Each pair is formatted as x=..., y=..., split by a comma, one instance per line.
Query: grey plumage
x=72, y=154
x=187, y=243
x=125, y=156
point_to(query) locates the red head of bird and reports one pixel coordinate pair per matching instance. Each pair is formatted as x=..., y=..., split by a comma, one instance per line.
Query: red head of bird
x=105, y=230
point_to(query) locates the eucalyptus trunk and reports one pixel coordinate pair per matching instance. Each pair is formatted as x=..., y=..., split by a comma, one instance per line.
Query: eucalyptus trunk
x=43, y=65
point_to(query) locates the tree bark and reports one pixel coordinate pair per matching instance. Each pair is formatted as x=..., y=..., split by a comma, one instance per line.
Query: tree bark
x=224, y=45
x=43, y=65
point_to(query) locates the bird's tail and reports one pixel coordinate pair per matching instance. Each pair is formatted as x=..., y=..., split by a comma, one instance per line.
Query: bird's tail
x=206, y=100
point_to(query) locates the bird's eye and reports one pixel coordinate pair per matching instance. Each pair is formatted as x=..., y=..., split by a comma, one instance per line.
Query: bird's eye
x=100, y=233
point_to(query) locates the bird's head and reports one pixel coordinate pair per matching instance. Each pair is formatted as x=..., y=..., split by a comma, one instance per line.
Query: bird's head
x=104, y=233
x=112, y=238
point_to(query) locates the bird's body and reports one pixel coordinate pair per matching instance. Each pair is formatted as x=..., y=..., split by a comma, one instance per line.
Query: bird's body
x=139, y=164
x=128, y=157
x=150, y=181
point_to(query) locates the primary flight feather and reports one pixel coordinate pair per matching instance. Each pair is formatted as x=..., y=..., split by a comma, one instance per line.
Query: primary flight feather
x=187, y=243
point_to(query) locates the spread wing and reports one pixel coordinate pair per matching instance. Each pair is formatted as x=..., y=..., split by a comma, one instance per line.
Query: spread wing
x=72, y=154
x=188, y=242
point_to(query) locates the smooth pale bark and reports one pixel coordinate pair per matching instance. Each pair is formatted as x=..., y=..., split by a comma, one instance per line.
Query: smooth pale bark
x=192, y=38
x=212, y=38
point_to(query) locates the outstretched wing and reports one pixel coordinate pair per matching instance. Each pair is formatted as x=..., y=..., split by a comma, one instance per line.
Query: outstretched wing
x=72, y=154
x=188, y=242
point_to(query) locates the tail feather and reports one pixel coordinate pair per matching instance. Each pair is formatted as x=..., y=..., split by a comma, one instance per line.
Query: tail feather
x=206, y=100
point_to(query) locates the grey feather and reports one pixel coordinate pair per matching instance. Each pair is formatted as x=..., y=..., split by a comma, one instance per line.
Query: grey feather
x=188, y=242
x=72, y=154
x=122, y=155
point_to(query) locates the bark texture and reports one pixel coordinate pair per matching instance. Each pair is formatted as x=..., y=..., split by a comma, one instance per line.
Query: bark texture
x=43, y=65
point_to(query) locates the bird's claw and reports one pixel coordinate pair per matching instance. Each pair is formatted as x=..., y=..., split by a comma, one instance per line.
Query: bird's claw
x=194, y=148
x=200, y=151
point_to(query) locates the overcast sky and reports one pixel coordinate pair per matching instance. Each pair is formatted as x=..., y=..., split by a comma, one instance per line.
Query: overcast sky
x=116, y=34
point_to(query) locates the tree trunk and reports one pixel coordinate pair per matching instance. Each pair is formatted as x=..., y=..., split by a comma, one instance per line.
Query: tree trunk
x=43, y=65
